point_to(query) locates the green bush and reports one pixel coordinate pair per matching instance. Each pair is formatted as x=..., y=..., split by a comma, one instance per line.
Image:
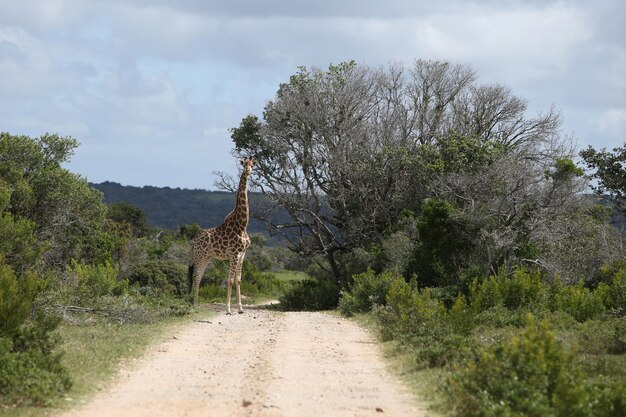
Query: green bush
x=399, y=316
x=532, y=375
x=460, y=318
x=411, y=313
x=255, y=282
x=310, y=295
x=16, y=299
x=436, y=336
x=367, y=289
x=94, y=281
x=580, y=302
x=523, y=289
x=605, y=335
x=500, y=316
x=161, y=275
x=30, y=369
x=212, y=292
x=616, y=294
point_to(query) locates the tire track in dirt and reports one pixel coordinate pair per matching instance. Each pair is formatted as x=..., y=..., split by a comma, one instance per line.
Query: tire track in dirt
x=260, y=363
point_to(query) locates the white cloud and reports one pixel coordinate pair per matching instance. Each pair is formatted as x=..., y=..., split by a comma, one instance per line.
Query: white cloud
x=153, y=83
x=611, y=121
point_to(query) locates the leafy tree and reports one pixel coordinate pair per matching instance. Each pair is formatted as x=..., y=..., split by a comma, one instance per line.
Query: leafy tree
x=134, y=216
x=68, y=215
x=610, y=169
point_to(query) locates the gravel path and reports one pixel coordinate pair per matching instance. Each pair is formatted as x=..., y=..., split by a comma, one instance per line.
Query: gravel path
x=260, y=363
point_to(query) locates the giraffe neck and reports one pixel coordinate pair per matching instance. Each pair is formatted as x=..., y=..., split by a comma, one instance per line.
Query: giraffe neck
x=241, y=213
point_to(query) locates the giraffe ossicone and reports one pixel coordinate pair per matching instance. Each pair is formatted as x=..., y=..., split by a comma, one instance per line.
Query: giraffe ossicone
x=226, y=241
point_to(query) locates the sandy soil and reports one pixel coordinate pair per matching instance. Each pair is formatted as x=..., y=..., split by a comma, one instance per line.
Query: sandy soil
x=259, y=363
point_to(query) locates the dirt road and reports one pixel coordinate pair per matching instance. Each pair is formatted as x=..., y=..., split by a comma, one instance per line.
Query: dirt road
x=259, y=363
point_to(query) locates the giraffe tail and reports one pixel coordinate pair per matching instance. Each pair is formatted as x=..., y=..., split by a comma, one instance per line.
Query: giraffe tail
x=190, y=276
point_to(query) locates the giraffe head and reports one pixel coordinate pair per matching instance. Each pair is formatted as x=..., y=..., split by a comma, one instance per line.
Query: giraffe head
x=247, y=163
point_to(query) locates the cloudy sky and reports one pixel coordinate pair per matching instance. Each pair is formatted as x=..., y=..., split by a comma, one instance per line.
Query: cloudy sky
x=151, y=87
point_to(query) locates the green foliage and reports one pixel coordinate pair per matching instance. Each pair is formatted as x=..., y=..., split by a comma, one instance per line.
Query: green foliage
x=615, y=275
x=161, y=275
x=532, y=375
x=188, y=231
x=443, y=243
x=564, y=169
x=134, y=216
x=30, y=369
x=610, y=169
x=580, y=302
x=247, y=136
x=460, y=317
x=68, y=215
x=310, y=295
x=523, y=289
x=254, y=281
x=16, y=299
x=30, y=377
x=420, y=322
x=91, y=282
x=212, y=292
x=460, y=153
x=368, y=289
x=18, y=242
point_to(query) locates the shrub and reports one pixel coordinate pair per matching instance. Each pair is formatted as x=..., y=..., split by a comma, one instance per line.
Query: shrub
x=93, y=281
x=30, y=370
x=616, y=293
x=212, y=292
x=367, y=290
x=16, y=299
x=396, y=318
x=310, y=295
x=500, y=316
x=523, y=289
x=162, y=275
x=256, y=282
x=414, y=313
x=486, y=294
x=460, y=317
x=416, y=319
x=580, y=302
x=532, y=375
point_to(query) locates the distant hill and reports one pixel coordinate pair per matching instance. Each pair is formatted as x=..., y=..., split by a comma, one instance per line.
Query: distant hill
x=170, y=207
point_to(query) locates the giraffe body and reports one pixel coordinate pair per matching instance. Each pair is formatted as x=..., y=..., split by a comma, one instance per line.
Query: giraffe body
x=226, y=241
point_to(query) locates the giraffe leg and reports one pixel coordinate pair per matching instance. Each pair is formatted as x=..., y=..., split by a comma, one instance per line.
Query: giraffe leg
x=238, y=280
x=197, y=277
x=229, y=285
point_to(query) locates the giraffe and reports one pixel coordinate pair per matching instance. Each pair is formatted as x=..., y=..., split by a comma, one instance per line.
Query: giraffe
x=226, y=241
